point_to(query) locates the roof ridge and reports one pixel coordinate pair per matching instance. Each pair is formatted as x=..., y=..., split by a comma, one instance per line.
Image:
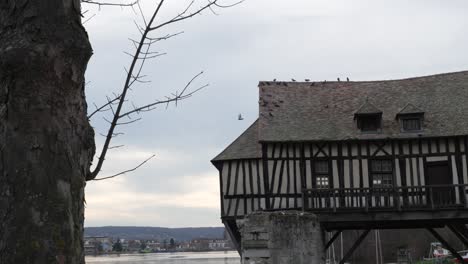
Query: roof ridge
x=278, y=82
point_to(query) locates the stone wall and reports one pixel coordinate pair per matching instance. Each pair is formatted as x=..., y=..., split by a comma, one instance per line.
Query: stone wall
x=281, y=238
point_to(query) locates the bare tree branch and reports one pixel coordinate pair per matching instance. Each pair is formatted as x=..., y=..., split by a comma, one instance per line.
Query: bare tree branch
x=101, y=158
x=102, y=108
x=126, y=171
x=182, y=15
x=175, y=98
x=100, y=3
x=139, y=57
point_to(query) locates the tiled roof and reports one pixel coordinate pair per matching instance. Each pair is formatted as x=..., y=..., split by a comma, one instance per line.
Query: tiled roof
x=314, y=111
x=246, y=146
x=410, y=109
x=301, y=111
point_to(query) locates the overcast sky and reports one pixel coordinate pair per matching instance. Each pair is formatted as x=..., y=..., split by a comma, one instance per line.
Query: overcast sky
x=257, y=40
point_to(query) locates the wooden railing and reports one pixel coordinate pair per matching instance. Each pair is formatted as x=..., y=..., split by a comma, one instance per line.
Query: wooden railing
x=430, y=197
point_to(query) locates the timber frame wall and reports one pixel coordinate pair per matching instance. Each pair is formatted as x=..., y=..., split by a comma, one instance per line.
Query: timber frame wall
x=285, y=172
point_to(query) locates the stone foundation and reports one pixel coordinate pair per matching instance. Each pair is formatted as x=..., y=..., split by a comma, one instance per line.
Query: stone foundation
x=288, y=237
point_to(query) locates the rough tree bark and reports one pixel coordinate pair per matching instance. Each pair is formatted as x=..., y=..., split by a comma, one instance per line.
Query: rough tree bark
x=46, y=142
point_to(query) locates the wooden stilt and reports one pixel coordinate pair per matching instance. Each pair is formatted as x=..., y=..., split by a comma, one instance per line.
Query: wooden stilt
x=355, y=245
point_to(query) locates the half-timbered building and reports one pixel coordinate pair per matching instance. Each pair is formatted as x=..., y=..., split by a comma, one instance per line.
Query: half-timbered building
x=361, y=155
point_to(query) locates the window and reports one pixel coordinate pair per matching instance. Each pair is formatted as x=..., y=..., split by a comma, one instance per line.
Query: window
x=369, y=123
x=322, y=171
x=411, y=118
x=382, y=173
x=369, y=117
x=411, y=124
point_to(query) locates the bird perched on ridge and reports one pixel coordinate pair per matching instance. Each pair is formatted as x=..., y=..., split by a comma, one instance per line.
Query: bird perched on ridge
x=347, y=79
x=292, y=79
x=239, y=117
x=307, y=80
x=338, y=79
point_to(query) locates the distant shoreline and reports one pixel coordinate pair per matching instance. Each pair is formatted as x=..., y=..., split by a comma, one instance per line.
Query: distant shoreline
x=159, y=252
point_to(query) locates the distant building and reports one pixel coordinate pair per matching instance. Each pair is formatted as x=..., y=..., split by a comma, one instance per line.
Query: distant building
x=134, y=245
x=94, y=245
x=154, y=245
x=218, y=244
x=205, y=244
x=183, y=246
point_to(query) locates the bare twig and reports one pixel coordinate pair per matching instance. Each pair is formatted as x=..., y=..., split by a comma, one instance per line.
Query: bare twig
x=129, y=122
x=114, y=147
x=102, y=108
x=100, y=3
x=125, y=171
x=177, y=97
x=88, y=19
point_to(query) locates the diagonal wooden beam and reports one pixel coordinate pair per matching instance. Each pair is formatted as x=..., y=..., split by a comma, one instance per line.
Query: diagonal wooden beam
x=380, y=147
x=446, y=244
x=233, y=231
x=459, y=233
x=320, y=148
x=355, y=245
x=332, y=239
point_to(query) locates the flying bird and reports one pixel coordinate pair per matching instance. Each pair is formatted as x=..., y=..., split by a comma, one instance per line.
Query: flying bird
x=274, y=80
x=239, y=117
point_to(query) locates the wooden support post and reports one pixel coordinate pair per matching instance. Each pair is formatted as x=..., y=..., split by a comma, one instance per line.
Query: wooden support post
x=446, y=244
x=266, y=179
x=302, y=171
x=355, y=245
x=332, y=239
x=459, y=234
x=459, y=168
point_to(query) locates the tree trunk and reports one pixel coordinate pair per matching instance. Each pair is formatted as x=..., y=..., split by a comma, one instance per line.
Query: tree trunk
x=46, y=142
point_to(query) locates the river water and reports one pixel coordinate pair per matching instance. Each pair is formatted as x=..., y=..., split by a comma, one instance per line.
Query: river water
x=218, y=257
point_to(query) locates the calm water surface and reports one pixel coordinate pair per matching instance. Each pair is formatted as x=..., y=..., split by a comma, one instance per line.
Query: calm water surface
x=228, y=257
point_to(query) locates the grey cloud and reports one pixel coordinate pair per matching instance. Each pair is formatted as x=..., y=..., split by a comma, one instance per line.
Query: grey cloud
x=262, y=40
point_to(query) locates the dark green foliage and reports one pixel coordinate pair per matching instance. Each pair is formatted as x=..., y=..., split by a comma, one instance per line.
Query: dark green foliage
x=143, y=245
x=172, y=243
x=117, y=247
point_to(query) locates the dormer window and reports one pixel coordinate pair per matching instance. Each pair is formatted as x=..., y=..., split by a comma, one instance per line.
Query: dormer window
x=411, y=124
x=369, y=118
x=411, y=119
x=369, y=123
